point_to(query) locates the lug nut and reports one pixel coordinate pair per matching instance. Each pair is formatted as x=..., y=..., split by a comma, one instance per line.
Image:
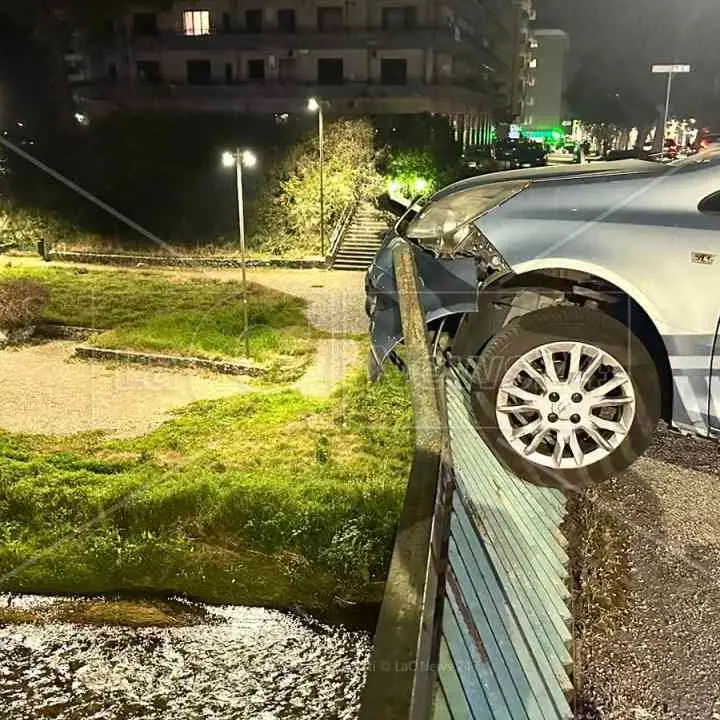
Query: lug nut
x=554, y=397
x=553, y=418
x=575, y=418
x=577, y=397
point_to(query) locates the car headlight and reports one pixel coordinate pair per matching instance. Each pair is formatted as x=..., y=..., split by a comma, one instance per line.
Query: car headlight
x=444, y=226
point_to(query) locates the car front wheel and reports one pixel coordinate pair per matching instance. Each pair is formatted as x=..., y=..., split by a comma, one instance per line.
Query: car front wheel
x=566, y=396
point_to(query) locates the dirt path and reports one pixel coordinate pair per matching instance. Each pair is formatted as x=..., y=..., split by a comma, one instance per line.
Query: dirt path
x=43, y=391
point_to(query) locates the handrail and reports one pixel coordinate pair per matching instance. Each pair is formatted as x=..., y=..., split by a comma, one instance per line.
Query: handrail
x=401, y=678
x=340, y=227
x=475, y=620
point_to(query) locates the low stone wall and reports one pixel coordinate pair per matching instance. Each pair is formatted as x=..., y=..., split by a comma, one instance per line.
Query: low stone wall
x=179, y=261
x=169, y=361
x=54, y=331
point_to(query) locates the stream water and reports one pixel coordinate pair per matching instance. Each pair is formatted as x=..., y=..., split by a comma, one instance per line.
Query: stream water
x=232, y=663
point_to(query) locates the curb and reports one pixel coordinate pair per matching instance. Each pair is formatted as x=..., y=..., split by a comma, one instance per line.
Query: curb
x=168, y=361
x=179, y=261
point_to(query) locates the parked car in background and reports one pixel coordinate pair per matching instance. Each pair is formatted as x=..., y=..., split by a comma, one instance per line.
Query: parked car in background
x=582, y=302
x=519, y=153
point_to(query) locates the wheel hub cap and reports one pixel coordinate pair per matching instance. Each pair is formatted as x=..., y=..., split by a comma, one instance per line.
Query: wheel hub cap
x=566, y=405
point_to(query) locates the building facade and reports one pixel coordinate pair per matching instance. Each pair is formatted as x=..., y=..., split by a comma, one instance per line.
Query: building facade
x=544, y=106
x=458, y=58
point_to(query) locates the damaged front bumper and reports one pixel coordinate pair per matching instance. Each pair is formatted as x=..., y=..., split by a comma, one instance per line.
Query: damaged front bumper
x=448, y=287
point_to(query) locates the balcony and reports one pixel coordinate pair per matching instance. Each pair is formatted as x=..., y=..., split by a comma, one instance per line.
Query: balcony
x=268, y=98
x=441, y=39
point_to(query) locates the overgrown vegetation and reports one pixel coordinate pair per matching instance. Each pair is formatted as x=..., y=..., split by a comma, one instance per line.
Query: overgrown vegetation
x=266, y=499
x=145, y=167
x=21, y=303
x=157, y=312
x=289, y=215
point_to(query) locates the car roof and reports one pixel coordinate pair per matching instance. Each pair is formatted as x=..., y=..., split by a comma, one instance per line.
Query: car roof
x=557, y=172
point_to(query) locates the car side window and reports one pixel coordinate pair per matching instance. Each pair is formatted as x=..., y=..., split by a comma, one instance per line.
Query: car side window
x=711, y=204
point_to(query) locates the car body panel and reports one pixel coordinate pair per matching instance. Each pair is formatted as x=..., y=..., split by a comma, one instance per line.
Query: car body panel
x=450, y=288
x=636, y=225
x=714, y=405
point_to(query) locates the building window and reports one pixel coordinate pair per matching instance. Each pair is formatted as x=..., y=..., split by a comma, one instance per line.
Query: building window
x=287, y=70
x=226, y=22
x=393, y=72
x=228, y=73
x=112, y=72
x=330, y=71
x=532, y=64
x=145, y=23
x=254, y=21
x=256, y=70
x=199, y=72
x=399, y=18
x=148, y=72
x=286, y=21
x=196, y=22
x=330, y=19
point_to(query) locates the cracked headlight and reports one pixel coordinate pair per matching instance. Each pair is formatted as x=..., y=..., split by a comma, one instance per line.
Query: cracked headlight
x=444, y=226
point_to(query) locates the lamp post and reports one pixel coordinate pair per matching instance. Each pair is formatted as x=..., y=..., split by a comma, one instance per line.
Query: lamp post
x=240, y=158
x=314, y=105
x=668, y=70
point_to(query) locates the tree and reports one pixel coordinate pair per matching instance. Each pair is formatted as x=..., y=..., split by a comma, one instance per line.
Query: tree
x=288, y=214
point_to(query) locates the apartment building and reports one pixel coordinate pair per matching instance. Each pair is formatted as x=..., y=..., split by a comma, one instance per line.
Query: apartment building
x=545, y=103
x=454, y=57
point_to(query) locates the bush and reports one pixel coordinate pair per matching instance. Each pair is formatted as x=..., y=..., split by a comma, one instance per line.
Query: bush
x=21, y=303
x=288, y=217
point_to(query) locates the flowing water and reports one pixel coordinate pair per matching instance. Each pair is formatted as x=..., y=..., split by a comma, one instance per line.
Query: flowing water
x=230, y=663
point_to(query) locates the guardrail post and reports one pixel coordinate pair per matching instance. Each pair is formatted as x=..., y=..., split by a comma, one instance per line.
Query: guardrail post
x=399, y=684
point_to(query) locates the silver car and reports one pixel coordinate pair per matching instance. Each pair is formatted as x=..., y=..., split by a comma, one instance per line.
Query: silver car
x=582, y=303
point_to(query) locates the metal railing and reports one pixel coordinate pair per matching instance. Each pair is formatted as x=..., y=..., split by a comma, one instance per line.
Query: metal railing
x=340, y=229
x=400, y=681
x=474, y=622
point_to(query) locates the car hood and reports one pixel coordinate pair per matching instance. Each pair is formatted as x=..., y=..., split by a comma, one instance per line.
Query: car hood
x=567, y=173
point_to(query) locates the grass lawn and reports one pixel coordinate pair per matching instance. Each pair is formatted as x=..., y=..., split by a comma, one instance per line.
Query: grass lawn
x=267, y=499
x=158, y=313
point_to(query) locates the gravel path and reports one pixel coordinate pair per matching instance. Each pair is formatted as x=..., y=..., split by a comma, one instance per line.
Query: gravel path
x=650, y=649
x=43, y=391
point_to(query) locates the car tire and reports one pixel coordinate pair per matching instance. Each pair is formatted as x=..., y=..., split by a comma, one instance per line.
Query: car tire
x=624, y=359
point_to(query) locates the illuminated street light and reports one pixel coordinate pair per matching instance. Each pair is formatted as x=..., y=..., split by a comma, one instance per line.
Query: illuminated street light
x=241, y=158
x=315, y=106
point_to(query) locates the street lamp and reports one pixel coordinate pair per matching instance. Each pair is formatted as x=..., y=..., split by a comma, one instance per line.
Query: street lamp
x=315, y=106
x=670, y=71
x=241, y=158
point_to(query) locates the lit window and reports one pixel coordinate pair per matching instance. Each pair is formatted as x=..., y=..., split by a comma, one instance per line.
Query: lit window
x=197, y=22
x=533, y=63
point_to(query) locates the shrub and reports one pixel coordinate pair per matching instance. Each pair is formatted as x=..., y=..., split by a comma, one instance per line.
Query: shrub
x=21, y=303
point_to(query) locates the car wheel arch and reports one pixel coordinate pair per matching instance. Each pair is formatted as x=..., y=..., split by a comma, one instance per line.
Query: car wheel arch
x=557, y=285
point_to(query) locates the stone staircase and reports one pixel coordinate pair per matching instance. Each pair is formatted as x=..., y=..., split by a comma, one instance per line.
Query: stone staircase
x=362, y=239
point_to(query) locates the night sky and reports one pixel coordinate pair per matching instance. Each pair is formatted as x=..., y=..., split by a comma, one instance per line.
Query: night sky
x=627, y=36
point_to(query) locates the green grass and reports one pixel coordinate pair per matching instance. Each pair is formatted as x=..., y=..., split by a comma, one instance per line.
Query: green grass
x=266, y=499
x=158, y=313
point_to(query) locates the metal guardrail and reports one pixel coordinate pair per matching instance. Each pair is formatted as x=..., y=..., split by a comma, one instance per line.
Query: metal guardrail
x=340, y=228
x=474, y=623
